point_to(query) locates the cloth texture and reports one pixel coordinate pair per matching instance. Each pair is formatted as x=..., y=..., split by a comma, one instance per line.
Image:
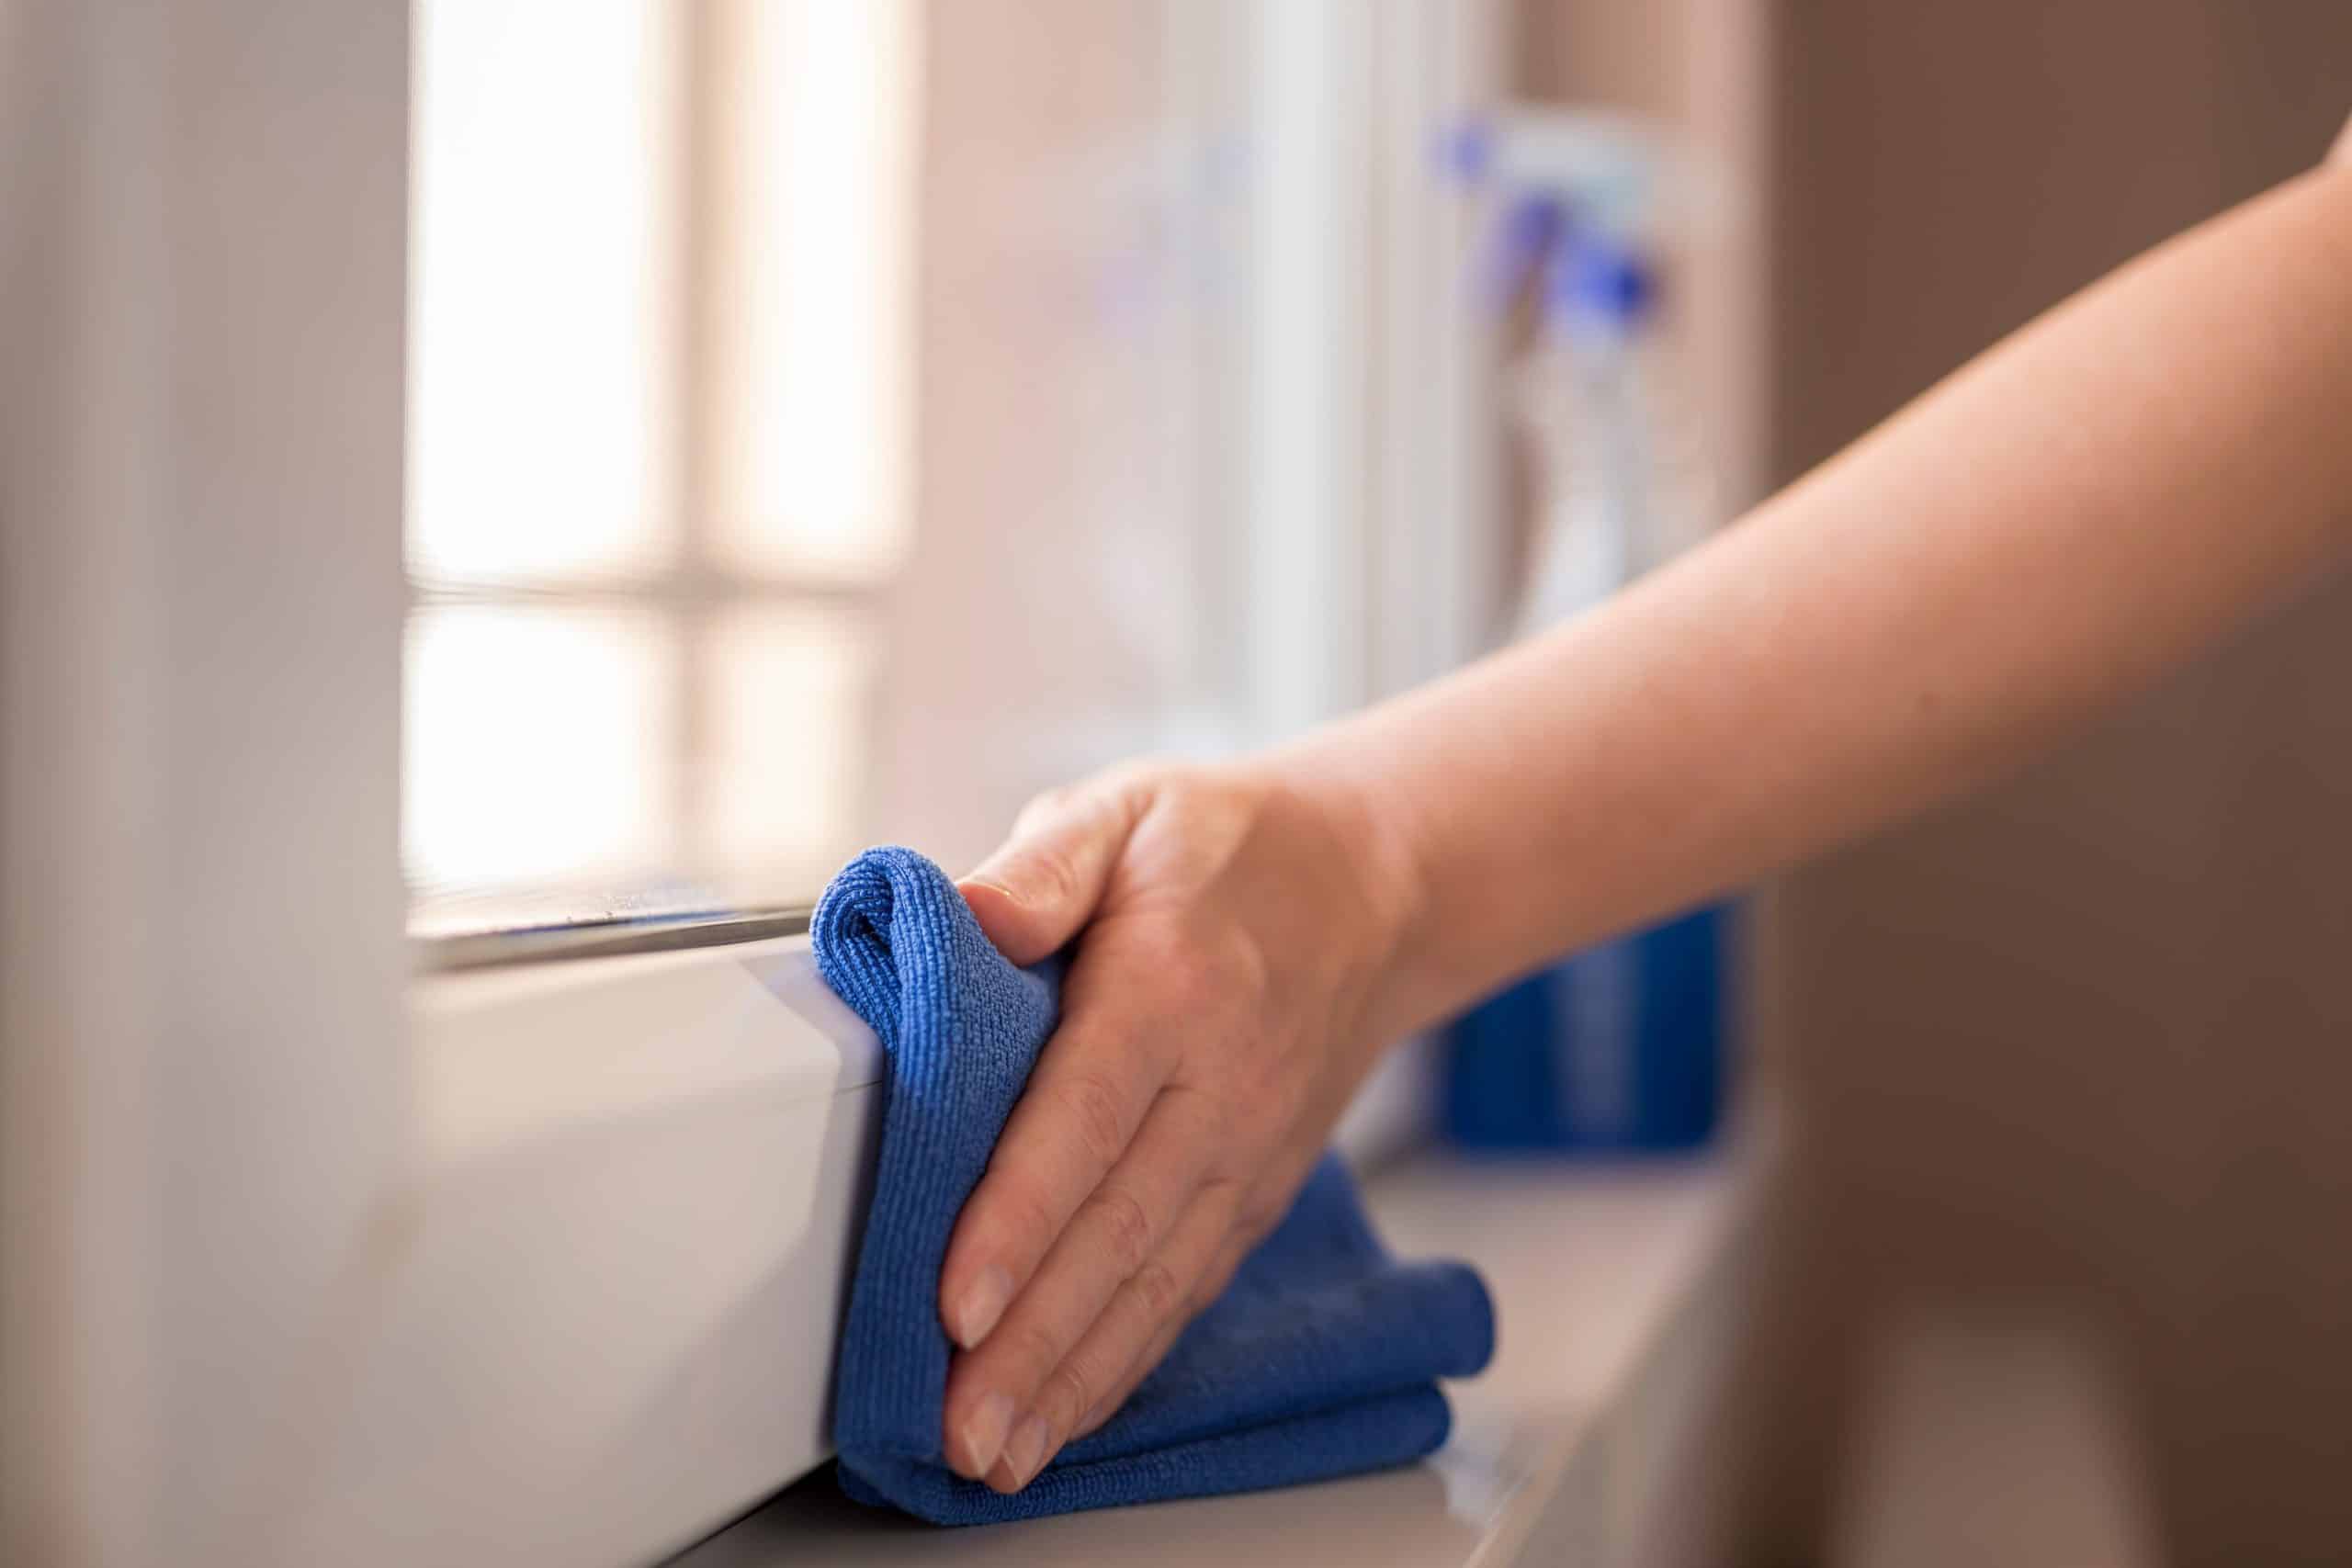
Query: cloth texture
x=1318, y=1360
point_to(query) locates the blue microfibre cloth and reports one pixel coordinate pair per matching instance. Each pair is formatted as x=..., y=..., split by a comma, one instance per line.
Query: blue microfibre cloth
x=1318, y=1360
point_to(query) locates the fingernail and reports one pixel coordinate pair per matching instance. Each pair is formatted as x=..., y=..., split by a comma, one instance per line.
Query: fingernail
x=993, y=886
x=984, y=1433
x=983, y=1303
x=1026, y=1454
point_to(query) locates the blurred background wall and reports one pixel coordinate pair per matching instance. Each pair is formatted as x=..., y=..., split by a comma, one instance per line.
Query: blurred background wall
x=2078, y=1049
x=999, y=389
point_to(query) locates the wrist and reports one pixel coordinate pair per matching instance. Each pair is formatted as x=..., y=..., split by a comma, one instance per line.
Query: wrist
x=1371, y=829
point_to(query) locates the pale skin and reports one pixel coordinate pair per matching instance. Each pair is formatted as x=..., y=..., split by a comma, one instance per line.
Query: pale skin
x=2110, y=490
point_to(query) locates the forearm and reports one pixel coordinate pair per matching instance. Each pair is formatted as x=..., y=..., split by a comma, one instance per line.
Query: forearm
x=2084, y=506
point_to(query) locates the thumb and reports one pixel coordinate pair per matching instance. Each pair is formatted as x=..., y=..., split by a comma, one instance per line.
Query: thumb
x=1039, y=890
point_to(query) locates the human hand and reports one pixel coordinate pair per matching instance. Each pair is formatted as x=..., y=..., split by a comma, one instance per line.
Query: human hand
x=1234, y=929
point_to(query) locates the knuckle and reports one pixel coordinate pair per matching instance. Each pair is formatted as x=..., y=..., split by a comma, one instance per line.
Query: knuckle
x=1215, y=979
x=1096, y=1114
x=1216, y=1123
x=1068, y=1393
x=1035, y=1349
x=1223, y=1191
x=1110, y=1399
x=1186, y=987
x=1157, y=1290
x=1127, y=1228
x=1227, y=1122
x=1047, y=874
x=1029, y=1216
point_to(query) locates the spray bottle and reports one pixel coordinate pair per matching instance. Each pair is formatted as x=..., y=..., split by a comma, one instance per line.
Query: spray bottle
x=1618, y=1048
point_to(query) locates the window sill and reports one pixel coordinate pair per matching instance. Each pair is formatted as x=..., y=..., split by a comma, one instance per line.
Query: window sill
x=1602, y=1278
x=598, y=1315
x=596, y=1312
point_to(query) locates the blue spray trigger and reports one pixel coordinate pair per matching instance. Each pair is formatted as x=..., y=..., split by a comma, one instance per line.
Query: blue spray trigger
x=1592, y=278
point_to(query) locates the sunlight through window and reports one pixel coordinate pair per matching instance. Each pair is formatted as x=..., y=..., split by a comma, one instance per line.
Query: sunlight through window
x=660, y=356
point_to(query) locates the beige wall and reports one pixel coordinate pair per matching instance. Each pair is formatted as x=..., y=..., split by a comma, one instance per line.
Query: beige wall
x=2084, y=1045
x=2088, y=1040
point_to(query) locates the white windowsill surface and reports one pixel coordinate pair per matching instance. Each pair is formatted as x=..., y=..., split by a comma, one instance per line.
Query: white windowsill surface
x=596, y=1322
x=1599, y=1276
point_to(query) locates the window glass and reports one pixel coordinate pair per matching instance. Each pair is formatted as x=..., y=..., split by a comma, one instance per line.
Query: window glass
x=660, y=291
x=834, y=421
x=814, y=235
x=540, y=746
x=543, y=274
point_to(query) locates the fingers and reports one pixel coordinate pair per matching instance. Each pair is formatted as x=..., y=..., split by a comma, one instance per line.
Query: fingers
x=1247, y=1223
x=1106, y=1405
x=1151, y=1307
x=1088, y=1095
x=1114, y=1239
x=1034, y=893
x=1206, y=1289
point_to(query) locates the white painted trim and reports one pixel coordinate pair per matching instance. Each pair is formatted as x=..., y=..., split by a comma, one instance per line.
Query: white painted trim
x=601, y=1316
x=1306, y=565
x=1371, y=557
x=1435, y=536
x=201, y=956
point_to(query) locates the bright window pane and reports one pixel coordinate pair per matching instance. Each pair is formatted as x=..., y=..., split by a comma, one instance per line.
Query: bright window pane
x=791, y=690
x=815, y=253
x=540, y=749
x=542, y=287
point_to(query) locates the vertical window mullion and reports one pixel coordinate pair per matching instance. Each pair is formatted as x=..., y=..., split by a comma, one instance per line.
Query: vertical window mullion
x=696, y=599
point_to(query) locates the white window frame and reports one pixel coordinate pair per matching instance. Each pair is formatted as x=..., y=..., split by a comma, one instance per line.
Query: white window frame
x=203, y=1079
x=1368, y=570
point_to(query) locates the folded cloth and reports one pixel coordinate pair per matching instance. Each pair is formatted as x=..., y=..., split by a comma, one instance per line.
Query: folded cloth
x=1318, y=1360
